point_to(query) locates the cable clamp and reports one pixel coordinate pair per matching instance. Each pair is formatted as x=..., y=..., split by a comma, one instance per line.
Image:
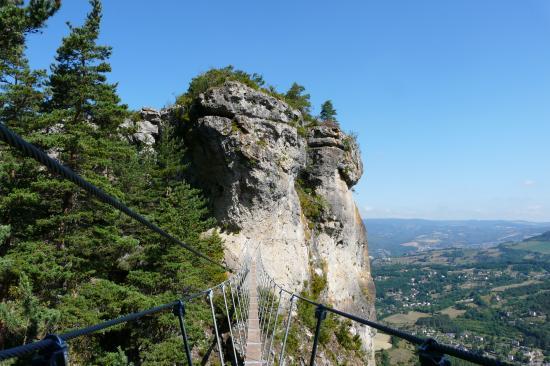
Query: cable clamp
x=179, y=309
x=321, y=312
x=429, y=357
x=55, y=355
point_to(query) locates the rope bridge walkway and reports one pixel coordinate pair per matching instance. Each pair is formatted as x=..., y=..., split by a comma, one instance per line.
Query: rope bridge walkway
x=255, y=307
x=254, y=341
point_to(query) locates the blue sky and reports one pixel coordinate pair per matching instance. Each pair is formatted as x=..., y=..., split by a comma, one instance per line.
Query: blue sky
x=451, y=99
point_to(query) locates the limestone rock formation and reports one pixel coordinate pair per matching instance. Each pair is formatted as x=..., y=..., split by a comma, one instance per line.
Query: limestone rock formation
x=258, y=163
x=146, y=129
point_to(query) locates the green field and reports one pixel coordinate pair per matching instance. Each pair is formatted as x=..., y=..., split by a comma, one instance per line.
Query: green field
x=408, y=318
x=533, y=246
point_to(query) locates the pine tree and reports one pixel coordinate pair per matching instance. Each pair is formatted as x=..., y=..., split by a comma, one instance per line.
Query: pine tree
x=69, y=261
x=296, y=97
x=16, y=21
x=60, y=238
x=78, y=80
x=328, y=113
x=22, y=316
x=20, y=87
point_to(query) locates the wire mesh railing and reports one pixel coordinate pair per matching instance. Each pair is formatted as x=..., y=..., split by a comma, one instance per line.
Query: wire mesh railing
x=53, y=350
x=274, y=297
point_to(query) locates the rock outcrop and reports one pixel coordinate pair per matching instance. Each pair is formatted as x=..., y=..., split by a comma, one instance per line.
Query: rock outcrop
x=258, y=163
x=146, y=130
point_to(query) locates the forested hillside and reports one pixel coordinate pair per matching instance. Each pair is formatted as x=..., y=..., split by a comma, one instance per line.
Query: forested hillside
x=67, y=260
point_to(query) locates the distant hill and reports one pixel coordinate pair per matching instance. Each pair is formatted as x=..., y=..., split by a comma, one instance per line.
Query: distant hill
x=542, y=237
x=391, y=237
x=539, y=243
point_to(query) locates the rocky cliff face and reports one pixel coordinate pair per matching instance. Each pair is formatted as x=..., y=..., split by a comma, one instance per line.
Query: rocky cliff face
x=259, y=165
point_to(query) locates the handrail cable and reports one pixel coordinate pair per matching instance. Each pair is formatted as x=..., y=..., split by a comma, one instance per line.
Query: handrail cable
x=428, y=343
x=50, y=342
x=16, y=141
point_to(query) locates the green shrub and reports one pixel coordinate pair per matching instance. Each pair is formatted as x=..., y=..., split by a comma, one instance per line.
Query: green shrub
x=4, y=232
x=217, y=77
x=318, y=284
x=311, y=203
x=350, y=141
x=298, y=99
x=344, y=337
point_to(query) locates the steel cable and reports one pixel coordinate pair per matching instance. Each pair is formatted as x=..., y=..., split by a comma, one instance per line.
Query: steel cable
x=14, y=140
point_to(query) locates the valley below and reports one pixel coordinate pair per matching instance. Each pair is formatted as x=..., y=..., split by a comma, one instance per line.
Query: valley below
x=494, y=301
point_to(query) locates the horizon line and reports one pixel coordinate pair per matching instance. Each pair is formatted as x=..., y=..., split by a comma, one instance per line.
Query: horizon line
x=439, y=219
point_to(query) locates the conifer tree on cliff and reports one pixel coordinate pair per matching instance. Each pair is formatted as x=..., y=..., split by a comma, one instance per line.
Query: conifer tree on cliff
x=60, y=239
x=328, y=113
x=297, y=98
x=20, y=100
x=21, y=317
x=70, y=261
x=82, y=120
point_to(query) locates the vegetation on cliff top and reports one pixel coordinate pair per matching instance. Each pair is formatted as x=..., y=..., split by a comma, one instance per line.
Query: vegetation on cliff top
x=296, y=96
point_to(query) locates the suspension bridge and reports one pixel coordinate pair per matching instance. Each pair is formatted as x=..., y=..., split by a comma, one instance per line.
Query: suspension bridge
x=255, y=307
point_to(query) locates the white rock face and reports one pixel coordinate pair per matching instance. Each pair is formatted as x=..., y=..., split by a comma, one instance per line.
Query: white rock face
x=339, y=240
x=247, y=167
x=247, y=154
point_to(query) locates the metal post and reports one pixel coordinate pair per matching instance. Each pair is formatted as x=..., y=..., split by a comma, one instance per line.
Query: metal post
x=288, y=320
x=179, y=310
x=210, y=295
x=230, y=328
x=274, y=327
x=320, y=314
